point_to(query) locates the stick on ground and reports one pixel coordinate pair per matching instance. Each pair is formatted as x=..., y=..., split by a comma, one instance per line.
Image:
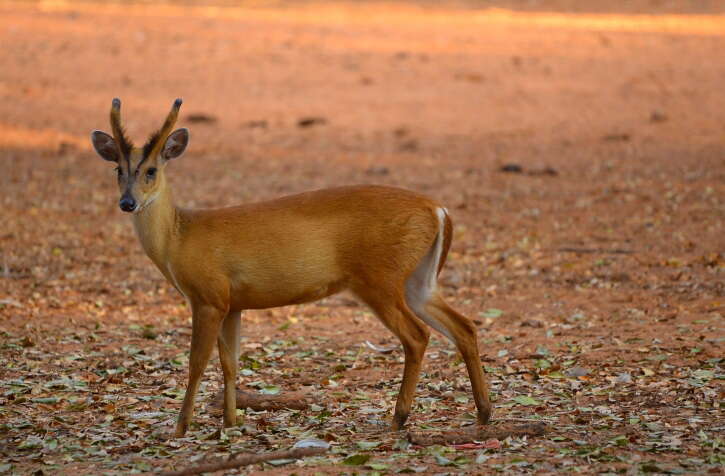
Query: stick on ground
x=259, y=402
x=245, y=460
x=478, y=433
x=613, y=251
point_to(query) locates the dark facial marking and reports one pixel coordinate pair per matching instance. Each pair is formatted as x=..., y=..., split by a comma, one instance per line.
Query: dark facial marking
x=124, y=143
x=128, y=164
x=151, y=143
x=149, y=146
x=130, y=180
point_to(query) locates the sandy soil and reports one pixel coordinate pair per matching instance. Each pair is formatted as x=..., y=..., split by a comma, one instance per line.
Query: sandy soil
x=604, y=254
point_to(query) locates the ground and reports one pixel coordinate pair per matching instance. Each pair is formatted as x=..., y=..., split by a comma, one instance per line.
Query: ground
x=579, y=149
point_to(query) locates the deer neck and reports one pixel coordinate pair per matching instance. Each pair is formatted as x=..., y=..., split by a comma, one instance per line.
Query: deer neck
x=156, y=226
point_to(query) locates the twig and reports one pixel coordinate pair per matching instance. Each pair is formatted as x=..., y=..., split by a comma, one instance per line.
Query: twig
x=478, y=433
x=258, y=402
x=239, y=460
x=613, y=251
x=525, y=419
x=608, y=349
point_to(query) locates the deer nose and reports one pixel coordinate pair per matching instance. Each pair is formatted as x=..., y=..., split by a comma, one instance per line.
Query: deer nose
x=127, y=204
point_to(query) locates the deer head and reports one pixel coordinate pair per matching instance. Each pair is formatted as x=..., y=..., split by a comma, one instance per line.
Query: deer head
x=140, y=170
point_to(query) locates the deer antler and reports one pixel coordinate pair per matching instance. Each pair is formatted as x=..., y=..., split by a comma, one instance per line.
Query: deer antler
x=157, y=138
x=119, y=133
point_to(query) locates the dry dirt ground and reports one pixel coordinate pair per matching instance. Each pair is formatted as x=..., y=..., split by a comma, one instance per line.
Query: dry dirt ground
x=594, y=272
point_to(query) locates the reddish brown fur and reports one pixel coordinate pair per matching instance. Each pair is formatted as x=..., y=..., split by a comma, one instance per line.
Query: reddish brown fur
x=295, y=249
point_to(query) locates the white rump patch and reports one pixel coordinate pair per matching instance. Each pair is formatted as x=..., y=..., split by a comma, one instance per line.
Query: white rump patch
x=423, y=282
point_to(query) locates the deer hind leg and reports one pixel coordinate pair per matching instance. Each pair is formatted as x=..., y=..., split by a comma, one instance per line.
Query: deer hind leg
x=421, y=293
x=205, y=324
x=228, y=344
x=463, y=334
x=413, y=335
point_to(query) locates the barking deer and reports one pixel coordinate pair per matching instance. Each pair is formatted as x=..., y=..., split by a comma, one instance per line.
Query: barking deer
x=385, y=245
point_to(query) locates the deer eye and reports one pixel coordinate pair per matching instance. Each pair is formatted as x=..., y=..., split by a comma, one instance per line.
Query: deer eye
x=119, y=171
x=151, y=172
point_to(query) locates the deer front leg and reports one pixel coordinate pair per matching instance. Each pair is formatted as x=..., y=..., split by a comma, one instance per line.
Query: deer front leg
x=228, y=343
x=205, y=323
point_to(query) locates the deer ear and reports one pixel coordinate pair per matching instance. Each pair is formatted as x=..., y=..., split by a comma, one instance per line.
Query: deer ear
x=175, y=144
x=105, y=145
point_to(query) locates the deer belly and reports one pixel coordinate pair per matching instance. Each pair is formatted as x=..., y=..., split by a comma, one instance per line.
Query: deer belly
x=281, y=292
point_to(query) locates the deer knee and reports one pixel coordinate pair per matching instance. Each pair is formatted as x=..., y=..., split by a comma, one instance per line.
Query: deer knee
x=468, y=329
x=414, y=337
x=466, y=337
